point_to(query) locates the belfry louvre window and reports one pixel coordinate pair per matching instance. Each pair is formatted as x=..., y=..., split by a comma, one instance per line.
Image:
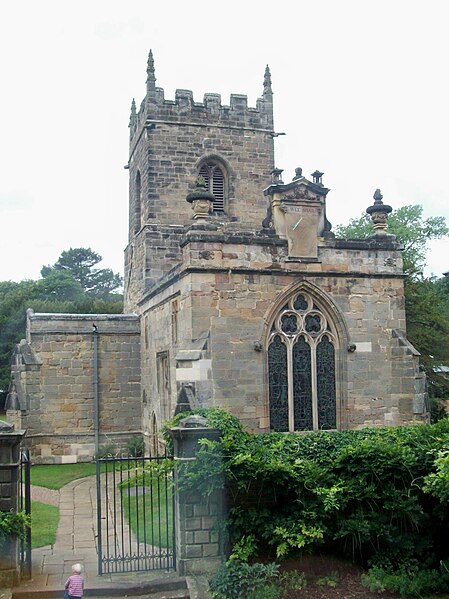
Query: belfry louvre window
x=301, y=368
x=215, y=182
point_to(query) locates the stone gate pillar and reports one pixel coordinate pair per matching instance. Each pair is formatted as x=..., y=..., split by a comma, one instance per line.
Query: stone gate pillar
x=198, y=519
x=10, y=441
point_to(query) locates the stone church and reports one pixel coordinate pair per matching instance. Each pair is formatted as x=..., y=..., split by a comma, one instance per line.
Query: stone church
x=237, y=295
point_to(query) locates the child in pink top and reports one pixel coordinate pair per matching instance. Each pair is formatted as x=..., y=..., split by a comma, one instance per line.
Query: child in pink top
x=75, y=584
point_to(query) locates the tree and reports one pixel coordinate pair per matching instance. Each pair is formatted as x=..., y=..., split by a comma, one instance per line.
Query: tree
x=410, y=228
x=426, y=299
x=427, y=313
x=72, y=285
x=59, y=285
x=80, y=263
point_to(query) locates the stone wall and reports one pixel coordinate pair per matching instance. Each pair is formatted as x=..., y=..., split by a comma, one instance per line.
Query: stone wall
x=229, y=287
x=54, y=372
x=169, y=139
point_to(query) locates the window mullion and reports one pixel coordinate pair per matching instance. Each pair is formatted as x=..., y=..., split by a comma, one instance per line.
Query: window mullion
x=291, y=404
x=314, y=384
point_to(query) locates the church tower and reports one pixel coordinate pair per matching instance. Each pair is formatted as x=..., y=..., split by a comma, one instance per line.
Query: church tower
x=246, y=299
x=237, y=295
x=172, y=143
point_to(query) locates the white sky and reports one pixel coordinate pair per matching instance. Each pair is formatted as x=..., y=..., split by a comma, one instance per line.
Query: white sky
x=360, y=88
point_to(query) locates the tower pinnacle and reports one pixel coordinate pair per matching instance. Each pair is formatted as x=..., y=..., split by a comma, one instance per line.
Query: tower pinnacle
x=151, y=79
x=132, y=118
x=267, y=91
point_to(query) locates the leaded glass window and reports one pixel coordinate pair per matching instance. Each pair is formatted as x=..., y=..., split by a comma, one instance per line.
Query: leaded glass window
x=302, y=367
x=277, y=358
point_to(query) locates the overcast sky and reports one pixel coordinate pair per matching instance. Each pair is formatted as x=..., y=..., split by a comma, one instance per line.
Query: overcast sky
x=360, y=89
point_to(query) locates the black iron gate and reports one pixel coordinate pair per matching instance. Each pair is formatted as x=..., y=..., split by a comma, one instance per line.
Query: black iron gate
x=25, y=506
x=135, y=511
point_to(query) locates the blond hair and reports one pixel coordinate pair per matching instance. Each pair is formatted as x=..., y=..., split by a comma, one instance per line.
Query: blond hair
x=77, y=568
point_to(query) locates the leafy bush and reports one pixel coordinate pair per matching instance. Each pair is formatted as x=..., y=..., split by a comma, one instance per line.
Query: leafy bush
x=13, y=524
x=409, y=580
x=107, y=450
x=292, y=581
x=437, y=483
x=331, y=580
x=237, y=579
x=371, y=495
x=437, y=409
x=136, y=447
x=269, y=592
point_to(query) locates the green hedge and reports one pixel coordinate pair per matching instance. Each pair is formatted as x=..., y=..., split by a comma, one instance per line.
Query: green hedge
x=377, y=496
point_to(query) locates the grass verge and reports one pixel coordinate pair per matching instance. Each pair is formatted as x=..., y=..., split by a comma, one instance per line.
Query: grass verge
x=150, y=516
x=44, y=524
x=55, y=476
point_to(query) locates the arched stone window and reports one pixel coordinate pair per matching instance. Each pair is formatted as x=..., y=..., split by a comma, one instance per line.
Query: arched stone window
x=302, y=383
x=215, y=176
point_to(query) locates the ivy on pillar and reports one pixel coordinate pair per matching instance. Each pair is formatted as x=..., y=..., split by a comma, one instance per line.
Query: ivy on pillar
x=199, y=547
x=10, y=441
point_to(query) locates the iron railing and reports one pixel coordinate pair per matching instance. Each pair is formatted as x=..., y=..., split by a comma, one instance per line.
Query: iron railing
x=25, y=506
x=135, y=511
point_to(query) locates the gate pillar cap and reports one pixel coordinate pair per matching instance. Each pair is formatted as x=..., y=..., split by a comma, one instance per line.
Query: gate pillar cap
x=186, y=436
x=193, y=421
x=6, y=427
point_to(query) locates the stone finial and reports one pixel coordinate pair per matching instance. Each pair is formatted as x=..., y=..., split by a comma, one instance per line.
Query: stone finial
x=276, y=177
x=317, y=177
x=201, y=198
x=133, y=115
x=379, y=213
x=12, y=399
x=298, y=173
x=267, y=82
x=132, y=118
x=151, y=79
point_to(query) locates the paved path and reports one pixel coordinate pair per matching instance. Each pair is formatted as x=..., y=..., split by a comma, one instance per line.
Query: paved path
x=76, y=541
x=45, y=495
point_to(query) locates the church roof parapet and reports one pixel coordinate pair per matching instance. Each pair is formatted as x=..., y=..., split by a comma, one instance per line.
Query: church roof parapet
x=210, y=111
x=298, y=182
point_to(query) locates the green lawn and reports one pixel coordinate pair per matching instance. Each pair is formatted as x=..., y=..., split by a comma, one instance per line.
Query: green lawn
x=156, y=528
x=55, y=476
x=44, y=523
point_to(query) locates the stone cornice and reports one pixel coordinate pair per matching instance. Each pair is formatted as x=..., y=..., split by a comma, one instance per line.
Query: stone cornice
x=173, y=277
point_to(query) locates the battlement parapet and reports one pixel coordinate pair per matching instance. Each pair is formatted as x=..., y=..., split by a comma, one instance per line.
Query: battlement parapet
x=210, y=112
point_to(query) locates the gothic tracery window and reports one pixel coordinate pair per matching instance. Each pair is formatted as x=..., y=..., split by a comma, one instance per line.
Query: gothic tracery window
x=302, y=368
x=214, y=176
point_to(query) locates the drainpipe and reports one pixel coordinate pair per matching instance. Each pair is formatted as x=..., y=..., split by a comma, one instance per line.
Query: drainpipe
x=97, y=444
x=95, y=387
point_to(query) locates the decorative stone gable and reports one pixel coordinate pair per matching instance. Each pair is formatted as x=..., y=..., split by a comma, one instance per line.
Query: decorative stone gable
x=299, y=213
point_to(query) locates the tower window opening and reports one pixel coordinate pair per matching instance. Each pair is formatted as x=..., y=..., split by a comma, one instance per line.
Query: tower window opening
x=215, y=182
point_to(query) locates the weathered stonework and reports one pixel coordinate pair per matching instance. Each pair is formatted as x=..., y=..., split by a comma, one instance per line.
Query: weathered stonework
x=203, y=289
x=207, y=291
x=199, y=518
x=54, y=375
x=231, y=295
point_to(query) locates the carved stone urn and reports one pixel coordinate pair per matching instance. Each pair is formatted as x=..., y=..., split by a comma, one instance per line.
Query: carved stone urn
x=201, y=199
x=379, y=213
